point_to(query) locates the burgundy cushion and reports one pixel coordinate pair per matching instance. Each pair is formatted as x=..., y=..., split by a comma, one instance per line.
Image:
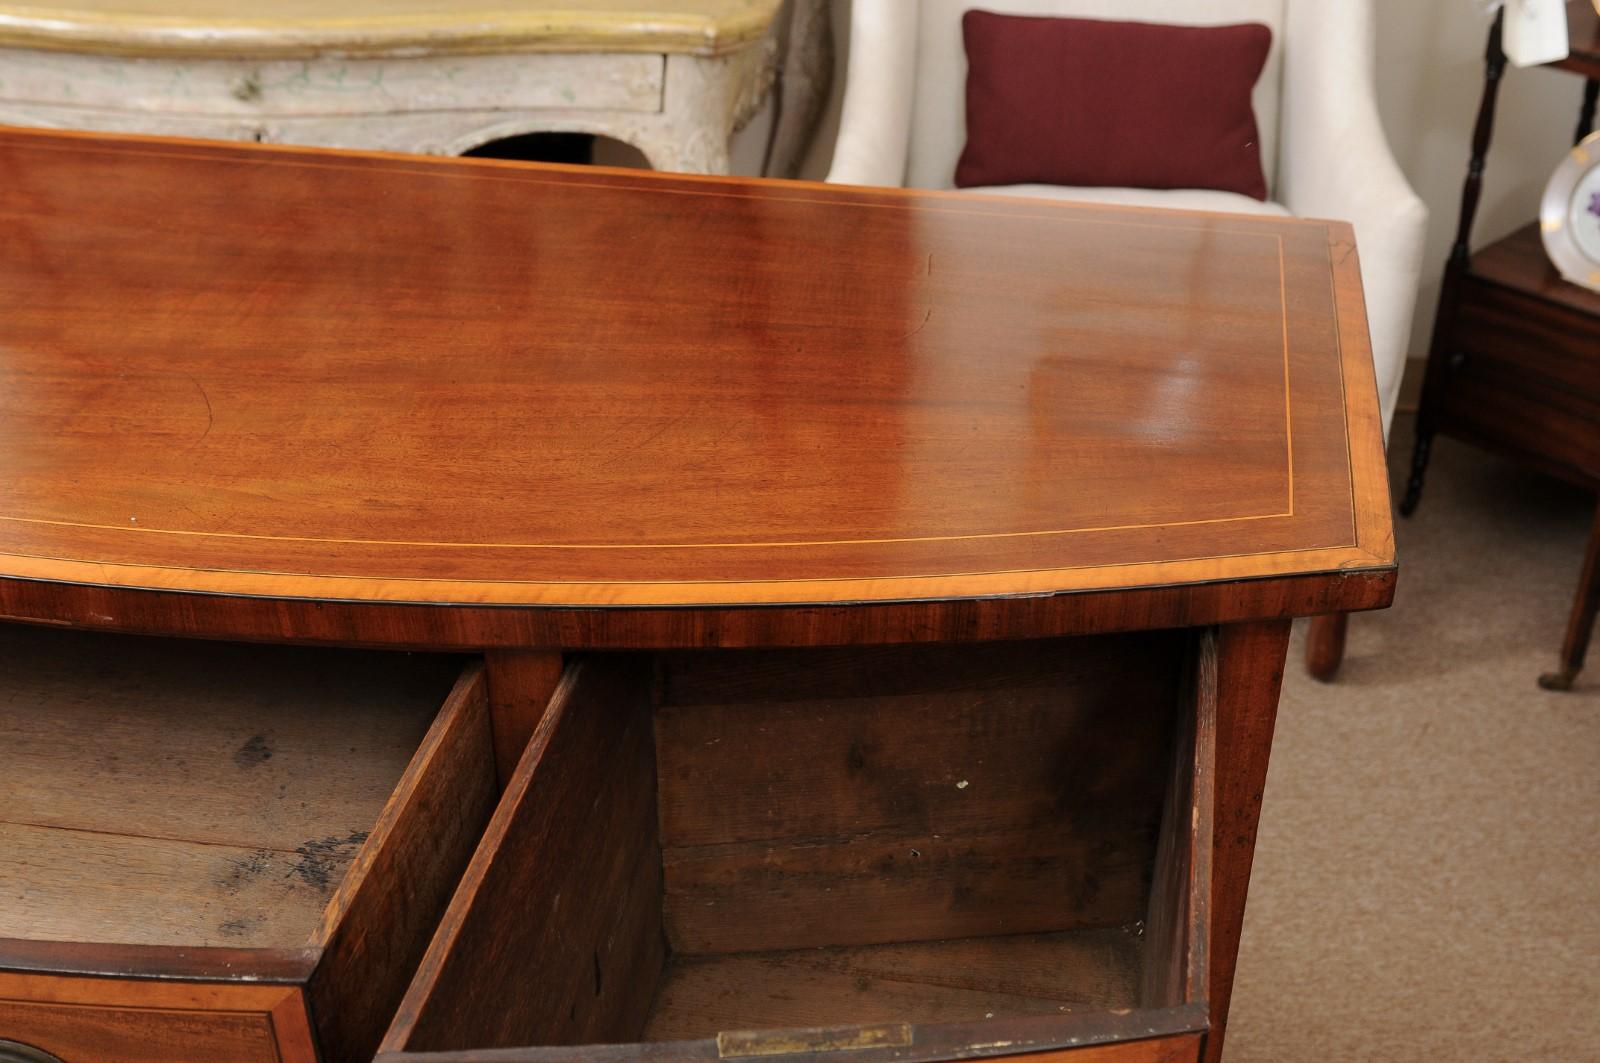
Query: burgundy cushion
x=1073, y=101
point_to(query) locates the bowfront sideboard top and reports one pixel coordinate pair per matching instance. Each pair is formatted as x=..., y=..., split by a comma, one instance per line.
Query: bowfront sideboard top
x=259, y=392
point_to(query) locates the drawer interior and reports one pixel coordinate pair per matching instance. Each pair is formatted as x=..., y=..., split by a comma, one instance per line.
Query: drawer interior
x=158, y=792
x=886, y=843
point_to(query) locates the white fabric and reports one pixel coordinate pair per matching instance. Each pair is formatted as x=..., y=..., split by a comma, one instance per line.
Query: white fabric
x=1207, y=199
x=1337, y=164
x=1332, y=159
x=939, y=110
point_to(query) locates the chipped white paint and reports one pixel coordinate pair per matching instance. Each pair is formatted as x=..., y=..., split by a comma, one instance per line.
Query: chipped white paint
x=677, y=108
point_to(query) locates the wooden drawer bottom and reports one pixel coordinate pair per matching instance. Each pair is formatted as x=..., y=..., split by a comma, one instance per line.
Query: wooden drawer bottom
x=223, y=853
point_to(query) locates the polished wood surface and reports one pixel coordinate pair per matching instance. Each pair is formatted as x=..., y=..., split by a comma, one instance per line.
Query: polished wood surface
x=311, y=376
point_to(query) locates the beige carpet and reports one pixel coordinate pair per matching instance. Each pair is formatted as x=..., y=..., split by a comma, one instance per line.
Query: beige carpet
x=1427, y=882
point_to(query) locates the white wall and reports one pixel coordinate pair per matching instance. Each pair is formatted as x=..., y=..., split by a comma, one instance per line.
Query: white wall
x=1430, y=78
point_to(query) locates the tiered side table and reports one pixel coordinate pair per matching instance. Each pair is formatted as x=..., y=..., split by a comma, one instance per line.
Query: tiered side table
x=1514, y=366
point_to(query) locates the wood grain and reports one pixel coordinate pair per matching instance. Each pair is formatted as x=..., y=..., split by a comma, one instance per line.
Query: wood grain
x=1162, y=1035
x=156, y=795
x=828, y=395
x=916, y=794
x=87, y=1020
x=254, y=747
x=1177, y=921
x=554, y=934
x=1243, y=686
x=921, y=982
x=520, y=683
x=380, y=921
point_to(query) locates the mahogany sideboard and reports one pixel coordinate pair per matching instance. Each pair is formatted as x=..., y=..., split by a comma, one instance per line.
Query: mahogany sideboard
x=452, y=605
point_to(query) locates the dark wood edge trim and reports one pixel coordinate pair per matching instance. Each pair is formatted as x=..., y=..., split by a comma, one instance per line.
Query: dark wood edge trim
x=462, y=900
x=1369, y=468
x=1368, y=584
x=1203, y=799
x=1556, y=306
x=166, y=962
x=469, y=685
x=929, y=1043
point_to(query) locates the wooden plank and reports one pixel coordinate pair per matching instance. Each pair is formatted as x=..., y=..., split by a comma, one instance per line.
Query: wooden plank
x=520, y=684
x=283, y=749
x=929, y=793
x=79, y=886
x=757, y=896
x=379, y=923
x=554, y=934
x=921, y=982
x=96, y=1020
x=1175, y=926
x=1249, y=674
x=923, y=739
x=1159, y=1035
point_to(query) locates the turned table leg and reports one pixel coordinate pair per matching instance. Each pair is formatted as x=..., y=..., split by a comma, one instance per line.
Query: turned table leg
x=520, y=685
x=1581, y=625
x=1325, y=645
x=1250, y=661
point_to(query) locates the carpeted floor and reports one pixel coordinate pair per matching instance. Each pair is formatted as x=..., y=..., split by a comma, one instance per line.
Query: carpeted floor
x=1427, y=881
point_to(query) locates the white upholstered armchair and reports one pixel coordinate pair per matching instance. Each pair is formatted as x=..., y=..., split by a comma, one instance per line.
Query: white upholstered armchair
x=1323, y=147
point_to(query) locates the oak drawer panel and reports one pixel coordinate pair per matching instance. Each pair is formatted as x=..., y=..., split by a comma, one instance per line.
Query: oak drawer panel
x=921, y=854
x=177, y=815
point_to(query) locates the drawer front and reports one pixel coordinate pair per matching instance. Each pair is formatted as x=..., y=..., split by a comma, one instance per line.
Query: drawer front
x=227, y=87
x=1486, y=404
x=1528, y=342
x=99, y=1020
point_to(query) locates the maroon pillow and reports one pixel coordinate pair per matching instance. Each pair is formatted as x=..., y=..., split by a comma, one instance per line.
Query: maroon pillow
x=1076, y=101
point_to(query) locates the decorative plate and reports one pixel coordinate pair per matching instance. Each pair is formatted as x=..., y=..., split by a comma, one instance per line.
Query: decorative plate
x=1569, y=216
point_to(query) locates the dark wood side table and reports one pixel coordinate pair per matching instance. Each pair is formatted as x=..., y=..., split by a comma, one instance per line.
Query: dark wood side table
x=1514, y=365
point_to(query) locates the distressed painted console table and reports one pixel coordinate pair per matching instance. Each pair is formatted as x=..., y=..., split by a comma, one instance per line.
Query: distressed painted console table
x=837, y=622
x=674, y=78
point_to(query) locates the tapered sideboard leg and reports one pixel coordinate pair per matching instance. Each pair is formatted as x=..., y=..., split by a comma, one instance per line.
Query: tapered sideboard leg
x=1250, y=663
x=1581, y=625
x=1325, y=645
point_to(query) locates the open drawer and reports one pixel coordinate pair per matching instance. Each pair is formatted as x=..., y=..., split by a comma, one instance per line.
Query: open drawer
x=908, y=853
x=222, y=852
